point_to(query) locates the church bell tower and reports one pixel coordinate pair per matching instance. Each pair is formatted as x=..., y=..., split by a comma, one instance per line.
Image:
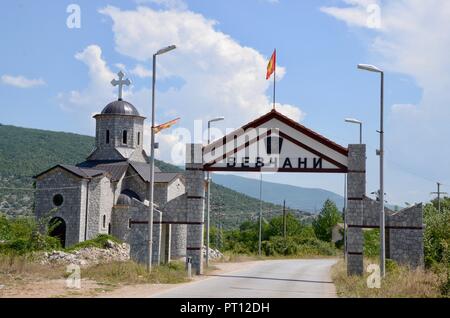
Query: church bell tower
x=119, y=129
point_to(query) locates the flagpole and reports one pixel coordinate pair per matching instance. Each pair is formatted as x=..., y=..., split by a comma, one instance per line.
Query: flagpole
x=274, y=81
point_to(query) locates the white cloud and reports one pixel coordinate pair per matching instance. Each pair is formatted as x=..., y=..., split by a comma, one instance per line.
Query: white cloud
x=413, y=41
x=221, y=77
x=21, y=81
x=361, y=13
x=120, y=66
x=140, y=71
x=98, y=91
x=168, y=4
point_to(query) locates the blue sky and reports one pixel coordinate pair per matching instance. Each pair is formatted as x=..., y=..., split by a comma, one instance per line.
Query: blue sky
x=56, y=78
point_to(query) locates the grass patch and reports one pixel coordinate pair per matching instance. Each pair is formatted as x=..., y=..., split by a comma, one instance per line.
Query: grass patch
x=132, y=273
x=17, y=268
x=400, y=282
x=100, y=242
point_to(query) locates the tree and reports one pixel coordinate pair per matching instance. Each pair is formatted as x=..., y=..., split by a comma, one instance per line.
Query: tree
x=328, y=218
x=437, y=234
x=293, y=226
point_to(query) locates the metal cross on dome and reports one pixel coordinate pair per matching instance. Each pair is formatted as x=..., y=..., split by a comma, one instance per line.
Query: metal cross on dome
x=121, y=82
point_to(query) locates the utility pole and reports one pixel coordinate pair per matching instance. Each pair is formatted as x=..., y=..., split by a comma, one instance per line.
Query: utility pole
x=152, y=161
x=284, y=219
x=439, y=195
x=260, y=216
x=380, y=153
x=208, y=193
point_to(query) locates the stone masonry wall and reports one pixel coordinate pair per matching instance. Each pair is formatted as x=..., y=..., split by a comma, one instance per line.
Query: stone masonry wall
x=116, y=124
x=72, y=188
x=195, y=190
x=120, y=222
x=175, y=211
x=356, y=191
x=139, y=234
x=133, y=182
x=404, y=232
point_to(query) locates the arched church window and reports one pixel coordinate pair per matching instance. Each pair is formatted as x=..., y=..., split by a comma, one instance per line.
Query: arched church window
x=139, y=138
x=107, y=136
x=124, y=137
x=58, y=199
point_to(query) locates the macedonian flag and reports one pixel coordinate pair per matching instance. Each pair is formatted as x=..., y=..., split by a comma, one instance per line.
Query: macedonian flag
x=272, y=64
x=169, y=124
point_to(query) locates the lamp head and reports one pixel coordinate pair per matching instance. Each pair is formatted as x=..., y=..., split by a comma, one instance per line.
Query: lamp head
x=353, y=121
x=216, y=119
x=370, y=68
x=166, y=49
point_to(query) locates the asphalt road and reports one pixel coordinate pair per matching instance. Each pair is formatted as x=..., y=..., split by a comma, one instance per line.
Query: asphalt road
x=309, y=278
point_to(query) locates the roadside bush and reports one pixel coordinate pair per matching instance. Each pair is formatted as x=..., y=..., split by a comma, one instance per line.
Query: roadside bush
x=314, y=246
x=371, y=242
x=301, y=239
x=21, y=236
x=437, y=235
x=297, y=246
x=391, y=266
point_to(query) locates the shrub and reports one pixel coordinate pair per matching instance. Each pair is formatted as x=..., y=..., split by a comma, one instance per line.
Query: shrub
x=371, y=242
x=437, y=235
x=21, y=236
x=391, y=266
x=100, y=242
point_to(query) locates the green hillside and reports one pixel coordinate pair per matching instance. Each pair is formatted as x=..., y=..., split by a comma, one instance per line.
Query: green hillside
x=25, y=152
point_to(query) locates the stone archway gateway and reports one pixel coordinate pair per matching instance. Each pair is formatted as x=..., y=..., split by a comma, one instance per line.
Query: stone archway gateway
x=276, y=143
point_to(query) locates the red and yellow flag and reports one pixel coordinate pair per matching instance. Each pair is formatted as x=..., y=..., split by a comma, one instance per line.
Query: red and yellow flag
x=272, y=64
x=169, y=124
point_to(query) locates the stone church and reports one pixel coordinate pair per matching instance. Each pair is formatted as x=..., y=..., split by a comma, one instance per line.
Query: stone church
x=105, y=193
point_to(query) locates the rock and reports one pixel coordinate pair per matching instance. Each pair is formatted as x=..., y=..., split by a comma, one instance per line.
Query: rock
x=213, y=253
x=110, y=244
x=90, y=255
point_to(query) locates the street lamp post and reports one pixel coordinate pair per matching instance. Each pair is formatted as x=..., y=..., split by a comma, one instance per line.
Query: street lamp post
x=152, y=160
x=358, y=122
x=380, y=152
x=208, y=180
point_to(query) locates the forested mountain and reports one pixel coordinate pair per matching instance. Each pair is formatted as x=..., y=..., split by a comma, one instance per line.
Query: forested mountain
x=25, y=152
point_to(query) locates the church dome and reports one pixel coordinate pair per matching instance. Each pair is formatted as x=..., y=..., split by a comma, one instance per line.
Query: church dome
x=126, y=197
x=120, y=107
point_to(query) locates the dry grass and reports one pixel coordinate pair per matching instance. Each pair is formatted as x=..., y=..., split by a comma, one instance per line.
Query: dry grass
x=129, y=272
x=400, y=282
x=23, y=275
x=22, y=269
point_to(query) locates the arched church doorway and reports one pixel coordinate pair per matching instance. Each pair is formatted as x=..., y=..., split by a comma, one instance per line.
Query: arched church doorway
x=57, y=229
